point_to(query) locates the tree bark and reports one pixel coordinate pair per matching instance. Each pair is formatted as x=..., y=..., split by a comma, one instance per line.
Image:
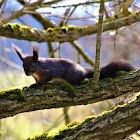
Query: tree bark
x=115, y=124
x=56, y=94
x=96, y=74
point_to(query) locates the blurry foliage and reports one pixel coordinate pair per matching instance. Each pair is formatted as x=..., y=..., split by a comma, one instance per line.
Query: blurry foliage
x=127, y=45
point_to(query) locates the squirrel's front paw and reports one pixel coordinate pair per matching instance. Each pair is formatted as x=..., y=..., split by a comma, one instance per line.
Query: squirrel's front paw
x=34, y=85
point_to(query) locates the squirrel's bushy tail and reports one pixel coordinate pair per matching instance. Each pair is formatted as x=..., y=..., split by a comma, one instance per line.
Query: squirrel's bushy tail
x=111, y=69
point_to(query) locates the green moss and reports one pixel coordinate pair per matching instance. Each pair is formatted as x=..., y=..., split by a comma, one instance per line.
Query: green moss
x=8, y=26
x=25, y=27
x=64, y=131
x=71, y=27
x=65, y=86
x=68, y=88
x=73, y=124
x=15, y=27
x=44, y=136
x=12, y=94
x=64, y=29
x=88, y=28
x=109, y=79
x=80, y=29
x=34, y=28
x=121, y=73
x=49, y=93
x=85, y=81
x=136, y=15
x=57, y=29
x=50, y=30
x=138, y=94
x=89, y=118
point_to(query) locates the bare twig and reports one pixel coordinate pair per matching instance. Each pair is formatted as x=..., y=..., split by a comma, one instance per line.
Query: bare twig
x=1, y=3
x=70, y=15
x=3, y=9
x=58, y=16
x=51, y=2
x=65, y=14
x=19, y=13
x=10, y=63
x=45, y=4
x=79, y=48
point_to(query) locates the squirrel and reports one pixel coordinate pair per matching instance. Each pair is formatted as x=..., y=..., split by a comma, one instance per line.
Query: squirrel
x=47, y=69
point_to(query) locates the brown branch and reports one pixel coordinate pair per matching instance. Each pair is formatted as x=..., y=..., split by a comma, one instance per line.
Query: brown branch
x=56, y=95
x=58, y=16
x=3, y=8
x=1, y=3
x=80, y=50
x=19, y=13
x=62, y=34
x=98, y=46
x=115, y=124
x=79, y=4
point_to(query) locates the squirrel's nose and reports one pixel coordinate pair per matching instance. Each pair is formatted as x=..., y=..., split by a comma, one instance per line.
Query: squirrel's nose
x=27, y=73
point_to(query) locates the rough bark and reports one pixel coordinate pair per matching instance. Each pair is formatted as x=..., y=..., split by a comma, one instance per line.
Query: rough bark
x=98, y=46
x=115, y=124
x=56, y=94
x=62, y=34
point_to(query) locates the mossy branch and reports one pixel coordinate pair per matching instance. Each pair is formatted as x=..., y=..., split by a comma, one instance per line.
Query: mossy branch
x=115, y=124
x=62, y=34
x=56, y=94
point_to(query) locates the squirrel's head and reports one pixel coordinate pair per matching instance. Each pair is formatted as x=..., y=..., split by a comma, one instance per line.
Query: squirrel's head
x=30, y=62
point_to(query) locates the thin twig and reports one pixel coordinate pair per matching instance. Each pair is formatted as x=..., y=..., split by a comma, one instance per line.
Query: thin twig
x=19, y=13
x=70, y=15
x=58, y=16
x=85, y=3
x=65, y=14
x=3, y=9
x=79, y=48
x=10, y=63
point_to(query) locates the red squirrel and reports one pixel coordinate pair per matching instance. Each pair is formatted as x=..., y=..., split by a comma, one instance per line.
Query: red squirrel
x=47, y=69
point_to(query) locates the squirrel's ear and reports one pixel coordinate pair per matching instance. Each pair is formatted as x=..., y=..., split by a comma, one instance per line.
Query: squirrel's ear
x=35, y=49
x=18, y=51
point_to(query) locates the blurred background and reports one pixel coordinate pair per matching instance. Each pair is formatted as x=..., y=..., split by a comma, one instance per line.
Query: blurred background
x=121, y=43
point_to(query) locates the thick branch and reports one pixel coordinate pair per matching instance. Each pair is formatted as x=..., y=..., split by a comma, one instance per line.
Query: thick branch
x=56, y=95
x=115, y=124
x=62, y=34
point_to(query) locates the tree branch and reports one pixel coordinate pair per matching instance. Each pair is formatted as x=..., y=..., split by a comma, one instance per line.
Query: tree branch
x=56, y=95
x=96, y=74
x=79, y=48
x=62, y=34
x=115, y=124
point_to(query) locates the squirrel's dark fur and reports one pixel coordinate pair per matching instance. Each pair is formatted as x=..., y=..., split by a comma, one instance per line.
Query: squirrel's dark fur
x=44, y=70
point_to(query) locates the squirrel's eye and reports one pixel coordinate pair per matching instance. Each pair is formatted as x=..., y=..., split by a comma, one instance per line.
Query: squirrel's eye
x=33, y=65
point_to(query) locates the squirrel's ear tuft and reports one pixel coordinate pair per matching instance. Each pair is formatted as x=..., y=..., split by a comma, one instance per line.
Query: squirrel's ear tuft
x=35, y=49
x=18, y=51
